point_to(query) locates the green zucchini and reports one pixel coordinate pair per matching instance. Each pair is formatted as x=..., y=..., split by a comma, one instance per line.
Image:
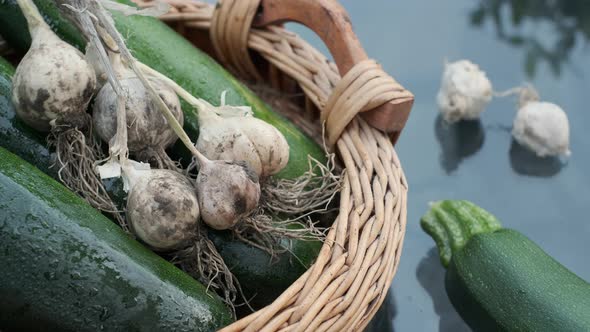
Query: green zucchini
x=262, y=281
x=499, y=280
x=161, y=48
x=65, y=267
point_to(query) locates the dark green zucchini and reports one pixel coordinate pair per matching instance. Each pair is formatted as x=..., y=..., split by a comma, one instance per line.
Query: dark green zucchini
x=262, y=281
x=65, y=267
x=160, y=47
x=498, y=279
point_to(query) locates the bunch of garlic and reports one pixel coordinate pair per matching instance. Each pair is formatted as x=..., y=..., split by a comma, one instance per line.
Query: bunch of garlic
x=232, y=133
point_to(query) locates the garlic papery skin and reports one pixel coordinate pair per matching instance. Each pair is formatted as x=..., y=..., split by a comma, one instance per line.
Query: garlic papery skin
x=245, y=138
x=542, y=127
x=465, y=91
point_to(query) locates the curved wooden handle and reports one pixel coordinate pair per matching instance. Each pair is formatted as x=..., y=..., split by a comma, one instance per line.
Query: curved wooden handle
x=330, y=21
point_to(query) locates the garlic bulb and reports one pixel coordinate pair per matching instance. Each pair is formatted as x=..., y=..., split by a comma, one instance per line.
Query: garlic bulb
x=162, y=207
x=465, y=91
x=542, y=127
x=147, y=128
x=245, y=138
x=239, y=137
x=53, y=83
x=226, y=191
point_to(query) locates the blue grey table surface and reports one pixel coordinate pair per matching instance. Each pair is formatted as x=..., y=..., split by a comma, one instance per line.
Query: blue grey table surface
x=543, y=42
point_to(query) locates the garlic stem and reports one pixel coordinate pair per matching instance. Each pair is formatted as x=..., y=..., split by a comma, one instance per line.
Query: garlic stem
x=96, y=35
x=526, y=93
x=32, y=15
x=202, y=106
x=172, y=120
x=132, y=62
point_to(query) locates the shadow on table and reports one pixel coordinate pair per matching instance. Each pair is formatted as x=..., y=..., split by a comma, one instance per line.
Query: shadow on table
x=431, y=275
x=457, y=141
x=383, y=320
x=569, y=21
x=526, y=162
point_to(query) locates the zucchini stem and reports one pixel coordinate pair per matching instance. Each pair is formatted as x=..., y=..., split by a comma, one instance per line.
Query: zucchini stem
x=452, y=223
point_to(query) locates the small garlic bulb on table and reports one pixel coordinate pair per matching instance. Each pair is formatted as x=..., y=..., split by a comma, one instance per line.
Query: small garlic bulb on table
x=542, y=127
x=465, y=91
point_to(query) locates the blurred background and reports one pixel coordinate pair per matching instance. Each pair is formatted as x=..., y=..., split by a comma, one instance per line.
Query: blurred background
x=544, y=42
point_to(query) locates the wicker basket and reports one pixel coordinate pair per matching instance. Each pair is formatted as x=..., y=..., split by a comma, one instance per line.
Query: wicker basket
x=356, y=265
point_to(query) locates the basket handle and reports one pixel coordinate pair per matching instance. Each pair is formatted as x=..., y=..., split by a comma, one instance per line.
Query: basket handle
x=330, y=21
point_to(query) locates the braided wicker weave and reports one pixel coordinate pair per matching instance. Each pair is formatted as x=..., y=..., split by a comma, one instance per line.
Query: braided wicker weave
x=353, y=272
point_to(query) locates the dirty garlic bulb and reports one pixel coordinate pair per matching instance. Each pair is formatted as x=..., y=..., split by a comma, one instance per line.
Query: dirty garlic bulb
x=148, y=133
x=246, y=138
x=162, y=207
x=227, y=191
x=53, y=83
x=465, y=91
x=148, y=129
x=542, y=127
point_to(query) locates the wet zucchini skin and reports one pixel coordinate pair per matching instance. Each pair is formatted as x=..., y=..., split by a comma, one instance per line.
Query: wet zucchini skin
x=66, y=267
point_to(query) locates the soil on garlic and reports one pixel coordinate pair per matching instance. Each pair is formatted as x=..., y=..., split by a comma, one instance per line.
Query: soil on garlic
x=53, y=82
x=163, y=210
x=148, y=131
x=227, y=191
